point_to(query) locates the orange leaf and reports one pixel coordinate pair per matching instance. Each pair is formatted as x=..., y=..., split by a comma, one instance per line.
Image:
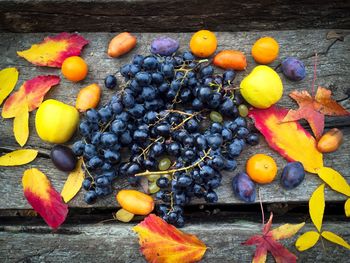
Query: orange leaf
x=31, y=92
x=44, y=198
x=314, y=109
x=54, y=50
x=289, y=139
x=161, y=242
x=21, y=125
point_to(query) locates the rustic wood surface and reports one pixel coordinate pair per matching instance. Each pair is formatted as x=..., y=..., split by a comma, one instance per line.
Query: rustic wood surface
x=332, y=72
x=118, y=243
x=170, y=16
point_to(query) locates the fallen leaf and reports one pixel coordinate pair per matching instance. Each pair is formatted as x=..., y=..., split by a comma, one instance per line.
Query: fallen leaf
x=347, y=207
x=316, y=206
x=334, y=180
x=31, y=92
x=330, y=236
x=307, y=240
x=43, y=197
x=289, y=139
x=21, y=125
x=18, y=157
x=286, y=231
x=54, y=50
x=267, y=242
x=314, y=109
x=335, y=35
x=74, y=182
x=161, y=242
x=8, y=80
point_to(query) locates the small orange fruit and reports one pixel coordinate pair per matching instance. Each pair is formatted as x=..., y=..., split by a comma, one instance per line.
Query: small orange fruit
x=265, y=50
x=203, y=43
x=261, y=168
x=74, y=68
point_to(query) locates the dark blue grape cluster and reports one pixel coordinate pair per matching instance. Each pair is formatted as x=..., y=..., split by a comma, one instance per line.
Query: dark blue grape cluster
x=173, y=113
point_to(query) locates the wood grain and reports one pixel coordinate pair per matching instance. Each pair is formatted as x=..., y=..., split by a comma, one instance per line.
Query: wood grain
x=170, y=16
x=332, y=72
x=117, y=243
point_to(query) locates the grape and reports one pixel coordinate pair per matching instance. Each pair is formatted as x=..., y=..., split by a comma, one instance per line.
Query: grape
x=63, y=158
x=110, y=82
x=153, y=177
x=163, y=182
x=90, y=197
x=153, y=188
x=87, y=184
x=216, y=116
x=124, y=216
x=243, y=110
x=164, y=164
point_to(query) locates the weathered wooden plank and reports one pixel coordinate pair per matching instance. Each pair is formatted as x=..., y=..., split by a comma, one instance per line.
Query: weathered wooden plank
x=117, y=243
x=170, y=16
x=332, y=69
x=12, y=195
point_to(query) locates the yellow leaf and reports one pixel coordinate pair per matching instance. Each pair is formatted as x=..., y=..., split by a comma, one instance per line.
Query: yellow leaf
x=73, y=183
x=316, y=207
x=286, y=231
x=335, y=239
x=18, y=157
x=307, y=240
x=335, y=180
x=8, y=80
x=347, y=208
x=21, y=125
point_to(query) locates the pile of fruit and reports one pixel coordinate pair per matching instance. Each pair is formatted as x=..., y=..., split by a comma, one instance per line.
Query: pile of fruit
x=173, y=125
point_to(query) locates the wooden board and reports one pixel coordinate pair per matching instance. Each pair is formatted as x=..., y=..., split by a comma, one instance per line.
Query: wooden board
x=117, y=242
x=332, y=72
x=170, y=16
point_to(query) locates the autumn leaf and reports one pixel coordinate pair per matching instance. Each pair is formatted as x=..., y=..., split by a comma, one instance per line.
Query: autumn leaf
x=307, y=240
x=74, y=182
x=8, y=80
x=289, y=139
x=31, y=92
x=316, y=210
x=44, y=198
x=316, y=206
x=54, y=50
x=21, y=125
x=334, y=180
x=330, y=236
x=313, y=109
x=162, y=242
x=347, y=207
x=267, y=242
x=18, y=157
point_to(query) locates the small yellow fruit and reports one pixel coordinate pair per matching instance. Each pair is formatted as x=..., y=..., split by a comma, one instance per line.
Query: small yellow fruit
x=262, y=87
x=135, y=202
x=55, y=121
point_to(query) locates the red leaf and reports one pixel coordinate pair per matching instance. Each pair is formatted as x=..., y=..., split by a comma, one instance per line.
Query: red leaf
x=161, y=242
x=44, y=198
x=314, y=109
x=54, y=50
x=267, y=243
x=32, y=92
x=289, y=139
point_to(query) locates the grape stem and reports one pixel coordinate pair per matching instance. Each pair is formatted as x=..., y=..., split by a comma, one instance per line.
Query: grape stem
x=190, y=116
x=144, y=151
x=206, y=153
x=87, y=170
